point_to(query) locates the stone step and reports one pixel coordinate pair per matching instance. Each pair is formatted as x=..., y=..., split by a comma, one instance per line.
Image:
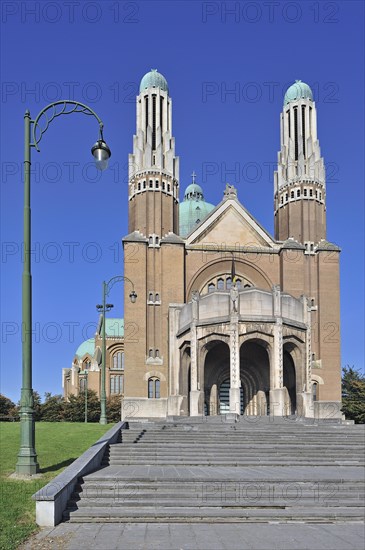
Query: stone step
x=216, y=514
x=171, y=502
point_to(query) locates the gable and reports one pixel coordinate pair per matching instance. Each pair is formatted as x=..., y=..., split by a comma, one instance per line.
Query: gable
x=230, y=223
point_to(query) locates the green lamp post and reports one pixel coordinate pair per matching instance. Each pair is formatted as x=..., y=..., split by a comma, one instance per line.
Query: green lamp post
x=85, y=373
x=27, y=463
x=104, y=308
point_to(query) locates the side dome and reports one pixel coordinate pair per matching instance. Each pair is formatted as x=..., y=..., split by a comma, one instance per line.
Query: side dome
x=194, y=209
x=153, y=79
x=86, y=347
x=298, y=90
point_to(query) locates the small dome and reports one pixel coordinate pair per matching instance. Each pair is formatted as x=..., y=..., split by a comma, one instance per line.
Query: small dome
x=193, y=191
x=87, y=347
x=298, y=90
x=153, y=79
x=193, y=209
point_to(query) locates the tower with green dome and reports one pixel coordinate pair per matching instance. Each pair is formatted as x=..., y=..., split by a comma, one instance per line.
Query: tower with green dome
x=300, y=185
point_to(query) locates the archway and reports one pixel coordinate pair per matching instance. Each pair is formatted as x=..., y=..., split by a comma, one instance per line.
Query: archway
x=216, y=371
x=289, y=383
x=255, y=377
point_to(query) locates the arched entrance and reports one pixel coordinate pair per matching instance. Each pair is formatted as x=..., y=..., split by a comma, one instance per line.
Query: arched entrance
x=255, y=377
x=216, y=371
x=224, y=404
x=289, y=381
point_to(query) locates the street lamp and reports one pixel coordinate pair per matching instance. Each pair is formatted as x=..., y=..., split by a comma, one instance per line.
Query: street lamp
x=103, y=308
x=85, y=374
x=27, y=463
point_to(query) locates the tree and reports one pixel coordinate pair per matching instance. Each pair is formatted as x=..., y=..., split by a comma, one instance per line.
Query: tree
x=75, y=407
x=7, y=407
x=113, y=408
x=353, y=394
x=53, y=408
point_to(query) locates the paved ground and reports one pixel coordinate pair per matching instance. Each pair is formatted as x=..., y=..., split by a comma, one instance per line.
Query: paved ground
x=173, y=536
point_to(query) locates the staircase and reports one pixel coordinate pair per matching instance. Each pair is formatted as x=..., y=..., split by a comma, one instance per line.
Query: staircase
x=208, y=470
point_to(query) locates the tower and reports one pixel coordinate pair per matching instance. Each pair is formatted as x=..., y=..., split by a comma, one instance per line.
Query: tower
x=153, y=166
x=153, y=251
x=300, y=188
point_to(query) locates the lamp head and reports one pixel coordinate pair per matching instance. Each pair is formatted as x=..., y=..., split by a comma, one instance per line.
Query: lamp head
x=133, y=296
x=101, y=154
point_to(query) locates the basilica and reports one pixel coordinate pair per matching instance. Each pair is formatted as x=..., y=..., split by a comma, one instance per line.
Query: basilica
x=228, y=319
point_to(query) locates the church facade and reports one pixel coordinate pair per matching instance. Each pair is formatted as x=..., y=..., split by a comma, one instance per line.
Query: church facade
x=228, y=318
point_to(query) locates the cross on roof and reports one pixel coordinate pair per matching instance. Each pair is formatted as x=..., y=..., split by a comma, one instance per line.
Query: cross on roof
x=193, y=175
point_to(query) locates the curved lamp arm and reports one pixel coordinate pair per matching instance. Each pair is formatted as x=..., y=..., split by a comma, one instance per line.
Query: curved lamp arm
x=118, y=278
x=67, y=107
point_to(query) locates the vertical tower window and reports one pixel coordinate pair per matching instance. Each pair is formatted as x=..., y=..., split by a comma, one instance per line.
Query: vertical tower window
x=296, y=132
x=298, y=192
x=153, y=122
x=303, y=129
x=289, y=123
x=161, y=113
x=146, y=112
x=315, y=391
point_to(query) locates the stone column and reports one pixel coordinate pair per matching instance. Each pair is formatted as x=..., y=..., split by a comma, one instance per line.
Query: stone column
x=305, y=398
x=194, y=385
x=277, y=394
x=235, y=379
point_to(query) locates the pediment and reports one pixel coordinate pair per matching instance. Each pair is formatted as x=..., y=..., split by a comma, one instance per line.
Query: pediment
x=230, y=223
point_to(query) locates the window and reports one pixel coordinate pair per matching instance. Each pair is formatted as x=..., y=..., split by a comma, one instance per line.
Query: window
x=163, y=186
x=153, y=388
x=157, y=184
x=220, y=284
x=150, y=240
x=311, y=192
x=157, y=297
x=86, y=364
x=118, y=360
x=238, y=283
x=116, y=384
x=228, y=283
x=139, y=186
x=168, y=187
x=282, y=199
x=305, y=192
x=157, y=353
x=150, y=352
x=315, y=391
x=211, y=287
x=292, y=194
x=286, y=196
x=151, y=184
x=150, y=297
x=144, y=184
x=320, y=196
x=298, y=192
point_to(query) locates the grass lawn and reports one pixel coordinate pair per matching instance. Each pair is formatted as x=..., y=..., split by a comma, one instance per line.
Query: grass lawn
x=57, y=445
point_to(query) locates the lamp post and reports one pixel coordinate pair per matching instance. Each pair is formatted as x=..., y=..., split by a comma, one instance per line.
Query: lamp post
x=103, y=308
x=27, y=463
x=85, y=374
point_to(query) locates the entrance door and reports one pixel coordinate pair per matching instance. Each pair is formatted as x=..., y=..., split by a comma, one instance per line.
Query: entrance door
x=224, y=397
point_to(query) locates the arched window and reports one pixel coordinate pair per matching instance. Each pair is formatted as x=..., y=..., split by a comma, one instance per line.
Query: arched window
x=157, y=354
x=118, y=360
x=238, y=283
x=150, y=240
x=220, y=284
x=292, y=194
x=228, y=283
x=247, y=285
x=139, y=186
x=315, y=391
x=157, y=297
x=151, y=184
x=153, y=388
x=150, y=352
x=86, y=365
x=211, y=287
x=150, y=297
x=298, y=192
x=116, y=384
x=144, y=184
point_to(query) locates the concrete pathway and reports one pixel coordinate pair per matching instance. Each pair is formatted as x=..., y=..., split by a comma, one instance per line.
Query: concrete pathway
x=174, y=536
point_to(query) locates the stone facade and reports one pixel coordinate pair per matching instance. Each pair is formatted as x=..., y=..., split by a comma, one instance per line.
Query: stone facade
x=228, y=318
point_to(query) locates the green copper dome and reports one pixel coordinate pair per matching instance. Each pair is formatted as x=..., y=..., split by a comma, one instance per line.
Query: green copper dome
x=193, y=209
x=153, y=79
x=86, y=347
x=298, y=90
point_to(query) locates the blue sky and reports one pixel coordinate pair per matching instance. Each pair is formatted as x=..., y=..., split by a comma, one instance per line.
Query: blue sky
x=96, y=53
